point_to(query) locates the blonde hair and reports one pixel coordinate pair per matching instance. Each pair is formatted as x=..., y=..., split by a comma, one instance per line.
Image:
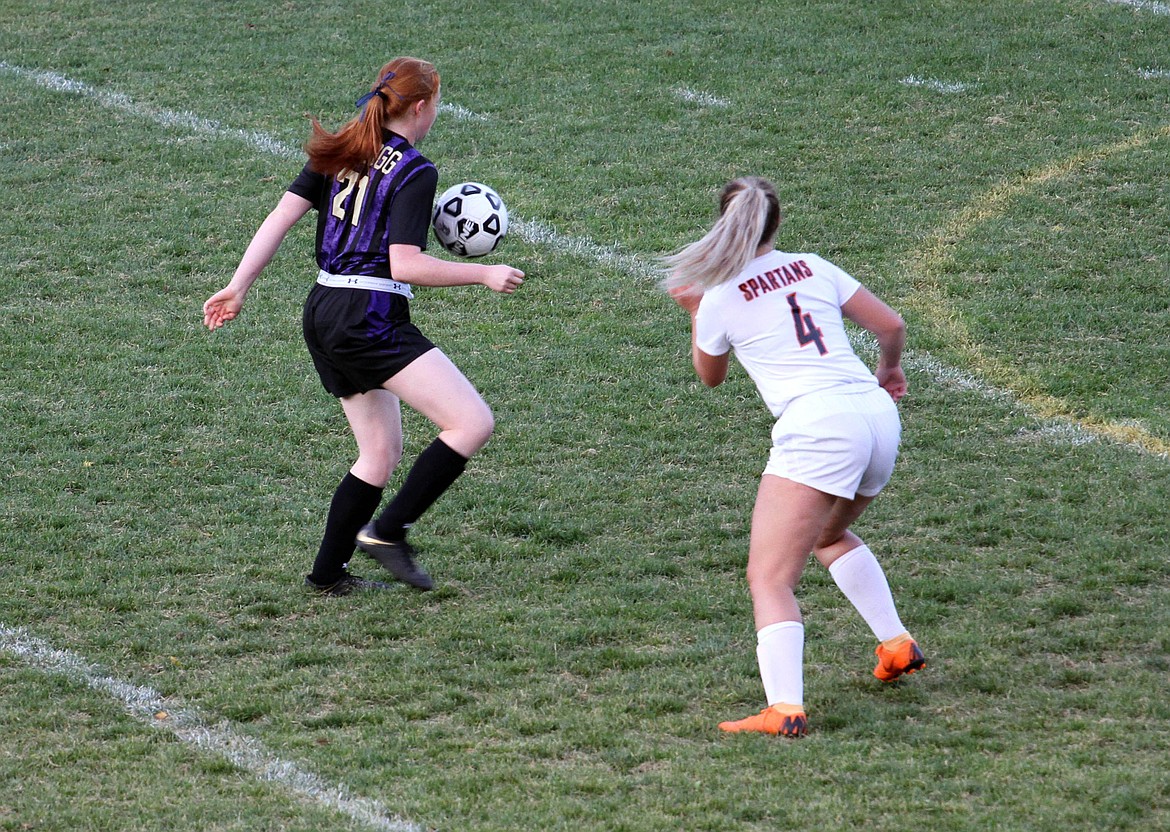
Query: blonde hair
x=749, y=214
x=356, y=145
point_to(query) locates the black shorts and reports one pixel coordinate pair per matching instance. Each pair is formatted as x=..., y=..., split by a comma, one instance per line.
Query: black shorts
x=359, y=338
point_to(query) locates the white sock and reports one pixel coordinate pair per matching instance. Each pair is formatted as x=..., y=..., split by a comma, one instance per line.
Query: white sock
x=860, y=577
x=780, y=651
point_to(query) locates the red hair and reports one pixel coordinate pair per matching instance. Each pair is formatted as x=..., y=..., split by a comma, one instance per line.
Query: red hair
x=401, y=83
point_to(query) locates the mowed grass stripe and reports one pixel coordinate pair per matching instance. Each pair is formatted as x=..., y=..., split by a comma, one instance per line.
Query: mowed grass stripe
x=929, y=297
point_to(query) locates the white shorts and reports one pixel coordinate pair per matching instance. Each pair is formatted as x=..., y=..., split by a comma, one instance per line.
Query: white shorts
x=844, y=444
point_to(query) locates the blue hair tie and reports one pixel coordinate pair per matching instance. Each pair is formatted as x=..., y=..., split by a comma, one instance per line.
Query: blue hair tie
x=376, y=91
x=365, y=99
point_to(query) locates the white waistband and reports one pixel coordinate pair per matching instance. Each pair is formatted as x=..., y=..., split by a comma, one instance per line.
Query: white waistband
x=357, y=281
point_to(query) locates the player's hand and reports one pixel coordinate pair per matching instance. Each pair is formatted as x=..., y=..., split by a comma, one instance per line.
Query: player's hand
x=893, y=381
x=222, y=307
x=503, y=279
x=687, y=298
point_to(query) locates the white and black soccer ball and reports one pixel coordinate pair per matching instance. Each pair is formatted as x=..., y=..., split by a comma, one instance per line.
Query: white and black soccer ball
x=470, y=219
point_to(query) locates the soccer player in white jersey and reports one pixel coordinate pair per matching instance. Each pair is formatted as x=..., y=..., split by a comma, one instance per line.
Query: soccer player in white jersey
x=835, y=438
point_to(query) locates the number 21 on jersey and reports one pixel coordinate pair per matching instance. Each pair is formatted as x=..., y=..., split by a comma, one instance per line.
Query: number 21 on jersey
x=387, y=160
x=350, y=180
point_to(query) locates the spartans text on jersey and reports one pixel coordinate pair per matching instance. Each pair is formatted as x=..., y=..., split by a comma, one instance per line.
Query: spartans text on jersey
x=774, y=279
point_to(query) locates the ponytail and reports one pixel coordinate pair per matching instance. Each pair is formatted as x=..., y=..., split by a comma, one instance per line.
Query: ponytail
x=749, y=214
x=401, y=83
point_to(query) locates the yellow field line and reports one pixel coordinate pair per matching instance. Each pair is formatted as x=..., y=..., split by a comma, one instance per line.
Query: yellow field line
x=931, y=299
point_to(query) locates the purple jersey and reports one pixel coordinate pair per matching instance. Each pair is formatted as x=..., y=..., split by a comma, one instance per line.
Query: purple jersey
x=360, y=214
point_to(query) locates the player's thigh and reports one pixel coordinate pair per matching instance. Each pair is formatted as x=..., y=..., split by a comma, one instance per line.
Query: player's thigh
x=375, y=417
x=436, y=388
x=787, y=521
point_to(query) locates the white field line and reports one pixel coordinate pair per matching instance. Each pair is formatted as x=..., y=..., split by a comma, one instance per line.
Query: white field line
x=184, y=120
x=705, y=99
x=462, y=113
x=1143, y=5
x=1151, y=74
x=542, y=234
x=935, y=84
x=166, y=118
x=152, y=708
x=1058, y=431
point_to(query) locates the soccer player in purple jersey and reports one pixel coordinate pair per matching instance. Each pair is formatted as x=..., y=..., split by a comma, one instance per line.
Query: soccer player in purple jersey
x=373, y=192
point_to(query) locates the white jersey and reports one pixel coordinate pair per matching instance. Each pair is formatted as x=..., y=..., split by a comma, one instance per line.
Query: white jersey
x=782, y=317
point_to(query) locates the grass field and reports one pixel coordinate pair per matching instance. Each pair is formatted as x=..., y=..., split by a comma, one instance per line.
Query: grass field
x=996, y=170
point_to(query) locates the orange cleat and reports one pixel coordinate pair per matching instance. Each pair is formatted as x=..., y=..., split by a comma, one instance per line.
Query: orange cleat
x=897, y=656
x=779, y=720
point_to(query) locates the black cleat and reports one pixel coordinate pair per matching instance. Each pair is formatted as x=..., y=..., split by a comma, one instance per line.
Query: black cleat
x=396, y=556
x=346, y=585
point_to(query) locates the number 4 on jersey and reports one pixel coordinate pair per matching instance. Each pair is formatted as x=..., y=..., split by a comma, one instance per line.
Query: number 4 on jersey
x=806, y=331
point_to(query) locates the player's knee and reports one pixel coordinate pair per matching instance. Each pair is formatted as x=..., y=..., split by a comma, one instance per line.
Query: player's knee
x=378, y=464
x=763, y=582
x=827, y=539
x=479, y=421
x=767, y=577
x=472, y=432
x=483, y=426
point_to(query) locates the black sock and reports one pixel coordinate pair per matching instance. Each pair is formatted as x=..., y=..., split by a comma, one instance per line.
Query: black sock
x=432, y=474
x=354, y=503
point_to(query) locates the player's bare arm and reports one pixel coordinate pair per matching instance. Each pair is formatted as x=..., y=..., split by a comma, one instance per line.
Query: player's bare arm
x=225, y=304
x=410, y=264
x=871, y=313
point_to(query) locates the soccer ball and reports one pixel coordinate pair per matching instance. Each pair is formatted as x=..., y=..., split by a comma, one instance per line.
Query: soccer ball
x=470, y=219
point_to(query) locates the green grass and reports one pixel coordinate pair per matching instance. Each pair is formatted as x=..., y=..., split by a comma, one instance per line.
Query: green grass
x=163, y=488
